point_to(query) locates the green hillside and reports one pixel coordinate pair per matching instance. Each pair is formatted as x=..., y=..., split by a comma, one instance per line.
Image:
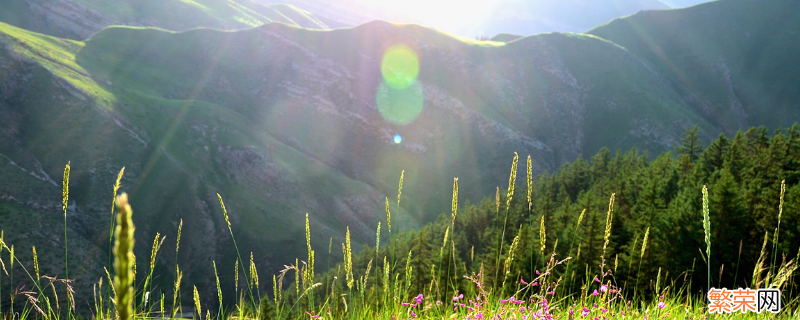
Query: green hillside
x=732, y=61
x=79, y=19
x=282, y=120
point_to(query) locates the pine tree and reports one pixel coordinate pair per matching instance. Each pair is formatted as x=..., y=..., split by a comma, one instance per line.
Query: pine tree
x=421, y=259
x=690, y=144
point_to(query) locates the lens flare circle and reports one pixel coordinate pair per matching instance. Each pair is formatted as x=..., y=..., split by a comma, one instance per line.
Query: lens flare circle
x=399, y=106
x=398, y=139
x=399, y=66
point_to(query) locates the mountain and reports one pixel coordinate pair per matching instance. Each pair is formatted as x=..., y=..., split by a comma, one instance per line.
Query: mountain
x=683, y=3
x=532, y=17
x=281, y=120
x=79, y=19
x=474, y=19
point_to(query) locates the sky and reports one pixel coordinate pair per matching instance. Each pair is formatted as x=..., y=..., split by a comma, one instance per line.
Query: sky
x=486, y=18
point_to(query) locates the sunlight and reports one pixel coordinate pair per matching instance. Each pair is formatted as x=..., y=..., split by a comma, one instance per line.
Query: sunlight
x=444, y=14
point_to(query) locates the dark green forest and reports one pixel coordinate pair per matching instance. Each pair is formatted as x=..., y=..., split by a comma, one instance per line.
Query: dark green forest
x=743, y=175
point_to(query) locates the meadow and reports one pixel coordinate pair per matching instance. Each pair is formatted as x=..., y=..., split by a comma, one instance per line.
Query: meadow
x=515, y=273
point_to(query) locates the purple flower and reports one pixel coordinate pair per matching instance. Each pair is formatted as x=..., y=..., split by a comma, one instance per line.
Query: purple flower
x=595, y=293
x=661, y=305
x=585, y=312
x=418, y=299
x=604, y=288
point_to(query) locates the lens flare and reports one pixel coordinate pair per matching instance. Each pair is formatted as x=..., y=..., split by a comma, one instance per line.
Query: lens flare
x=399, y=106
x=398, y=138
x=399, y=66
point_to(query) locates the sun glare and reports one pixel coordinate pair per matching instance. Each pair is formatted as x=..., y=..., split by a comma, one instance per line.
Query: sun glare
x=447, y=15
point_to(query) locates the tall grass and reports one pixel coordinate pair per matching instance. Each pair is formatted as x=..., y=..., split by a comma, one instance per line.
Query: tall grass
x=124, y=260
x=390, y=295
x=707, y=229
x=65, y=196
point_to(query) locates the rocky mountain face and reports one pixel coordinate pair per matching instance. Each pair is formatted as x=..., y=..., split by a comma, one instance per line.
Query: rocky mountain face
x=282, y=121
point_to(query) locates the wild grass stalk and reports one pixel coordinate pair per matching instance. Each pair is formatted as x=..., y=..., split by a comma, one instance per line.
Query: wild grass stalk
x=197, y=310
x=238, y=254
x=124, y=259
x=571, y=243
x=707, y=229
x=219, y=288
x=392, y=244
x=377, y=248
x=641, y=256
x=738, y=259
x=542, y=242
x=348, y=260
x=777, y=231
x=454, y=213
x=529, y=184
x=153, y=253
x=510, y=194
x=65, y=198
x=178, y=275
x=111, y=221
x=3, y=266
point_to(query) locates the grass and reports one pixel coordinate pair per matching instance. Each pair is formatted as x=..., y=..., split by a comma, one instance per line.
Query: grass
x=389, y=298
x=58, y=56
x=178, y=15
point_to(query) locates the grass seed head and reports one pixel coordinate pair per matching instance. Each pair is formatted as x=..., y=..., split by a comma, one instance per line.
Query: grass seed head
x=178, y=240
x=607, y=234
x=644, y=242
x=124, y=260
x=780, y=207
x=388, y=216
x=224, y=212
x=216, y=277
x=497, y=200
x=529, y=182
x=400, y=187
x=542, y=236
x=36, y=264
x=706, y=222
x=512, y=181
x=455, y=199
x=378, y=238
x=65, y=189
x=236, y=276
x=196, y=296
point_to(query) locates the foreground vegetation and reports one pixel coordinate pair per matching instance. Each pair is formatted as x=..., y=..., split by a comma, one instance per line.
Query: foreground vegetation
x=501, y=258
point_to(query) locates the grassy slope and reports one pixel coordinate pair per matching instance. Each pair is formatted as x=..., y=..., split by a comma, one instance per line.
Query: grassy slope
x=57, y=55
x=172, y=15
x=700, y=48
x=175, y=149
